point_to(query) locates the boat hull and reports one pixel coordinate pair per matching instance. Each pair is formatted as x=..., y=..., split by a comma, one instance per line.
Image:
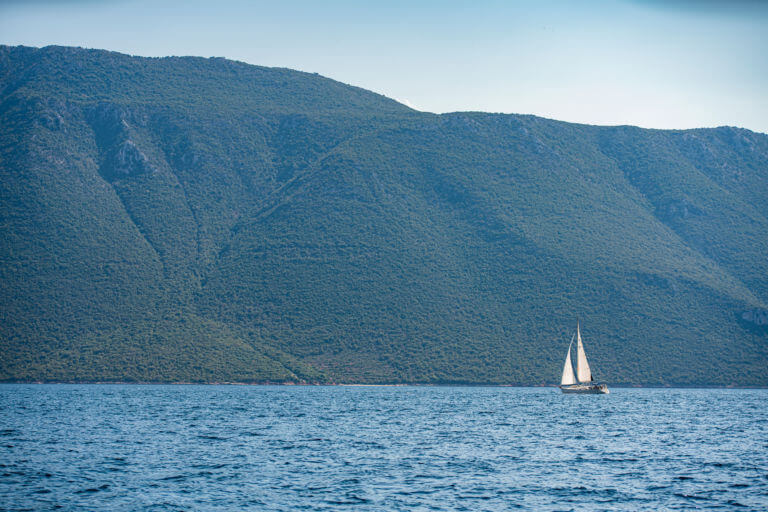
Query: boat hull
x=586, y=389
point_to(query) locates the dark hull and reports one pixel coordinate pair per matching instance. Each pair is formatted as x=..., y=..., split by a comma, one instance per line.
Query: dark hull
x=586, y=389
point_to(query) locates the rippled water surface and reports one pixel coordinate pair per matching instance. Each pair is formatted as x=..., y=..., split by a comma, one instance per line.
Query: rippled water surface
x=130, y=447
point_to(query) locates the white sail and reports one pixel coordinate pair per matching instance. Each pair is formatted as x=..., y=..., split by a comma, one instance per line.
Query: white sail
x=568, y=377
x=583, y=372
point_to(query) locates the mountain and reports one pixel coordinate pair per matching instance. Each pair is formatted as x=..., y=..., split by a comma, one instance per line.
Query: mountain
x=204, y=220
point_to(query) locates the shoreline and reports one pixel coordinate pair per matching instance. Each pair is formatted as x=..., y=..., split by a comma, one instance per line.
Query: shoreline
x=359, y=385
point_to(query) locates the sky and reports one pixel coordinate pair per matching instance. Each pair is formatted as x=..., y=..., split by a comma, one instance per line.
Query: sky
x=650, y=63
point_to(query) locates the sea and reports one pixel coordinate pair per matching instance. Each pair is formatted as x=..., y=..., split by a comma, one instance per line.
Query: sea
x=422, y=448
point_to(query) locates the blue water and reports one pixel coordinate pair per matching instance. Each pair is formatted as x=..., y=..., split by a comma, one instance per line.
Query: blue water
x=131, y=447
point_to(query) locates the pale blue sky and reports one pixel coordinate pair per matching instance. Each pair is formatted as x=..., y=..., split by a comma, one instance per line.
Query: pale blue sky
x=652, y=63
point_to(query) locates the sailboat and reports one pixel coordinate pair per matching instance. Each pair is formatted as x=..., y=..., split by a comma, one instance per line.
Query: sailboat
x=582, y=382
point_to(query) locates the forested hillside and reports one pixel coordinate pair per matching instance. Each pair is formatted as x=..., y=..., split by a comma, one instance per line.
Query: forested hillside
x=204, y=220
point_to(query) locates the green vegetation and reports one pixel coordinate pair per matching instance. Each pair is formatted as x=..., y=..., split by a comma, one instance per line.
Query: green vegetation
x=202, y=220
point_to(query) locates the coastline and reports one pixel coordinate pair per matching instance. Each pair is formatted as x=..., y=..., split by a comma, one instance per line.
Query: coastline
x=362, y=385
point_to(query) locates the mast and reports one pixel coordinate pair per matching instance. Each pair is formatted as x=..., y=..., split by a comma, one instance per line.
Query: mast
x=568, y=377
x=583, y=373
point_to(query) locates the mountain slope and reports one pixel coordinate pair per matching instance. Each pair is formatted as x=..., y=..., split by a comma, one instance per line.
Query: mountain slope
x=207, y=220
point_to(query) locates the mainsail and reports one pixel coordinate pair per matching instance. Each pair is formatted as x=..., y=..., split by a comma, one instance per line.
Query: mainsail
x=583, y=372
x=568, y=377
